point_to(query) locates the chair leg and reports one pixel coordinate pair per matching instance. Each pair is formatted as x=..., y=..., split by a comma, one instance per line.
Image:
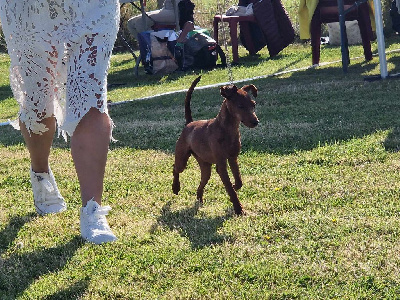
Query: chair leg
x=215, y=25
x=365, y=35
x=138, y=60
x=315, y=39
x=234, y=40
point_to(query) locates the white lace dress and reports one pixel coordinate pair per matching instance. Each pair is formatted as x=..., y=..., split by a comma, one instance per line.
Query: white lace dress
x=60, y=52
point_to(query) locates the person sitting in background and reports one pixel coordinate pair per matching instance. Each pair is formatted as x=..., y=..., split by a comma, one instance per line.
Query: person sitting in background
x=194, y=47
x=186, y=23
x=165, y=15
x=186, y=20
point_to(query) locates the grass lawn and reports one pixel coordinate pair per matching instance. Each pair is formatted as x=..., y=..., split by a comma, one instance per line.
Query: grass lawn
x=321, y=187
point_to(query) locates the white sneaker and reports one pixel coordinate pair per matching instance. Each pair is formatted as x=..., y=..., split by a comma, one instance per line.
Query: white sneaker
x=94, y=226
x=46, y=196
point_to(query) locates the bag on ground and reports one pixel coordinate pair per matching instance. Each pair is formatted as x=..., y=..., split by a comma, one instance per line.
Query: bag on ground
x=201, y=51
x=155, y=53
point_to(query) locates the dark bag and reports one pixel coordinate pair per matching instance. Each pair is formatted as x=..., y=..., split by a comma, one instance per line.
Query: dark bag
x=257, y=37
x=274, y=21
x=201, y=52
x=273, y=28
x=256, y=34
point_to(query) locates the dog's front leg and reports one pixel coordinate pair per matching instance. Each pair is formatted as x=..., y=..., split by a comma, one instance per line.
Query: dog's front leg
x=223, y=173
x=205, y=176
x=233, y=163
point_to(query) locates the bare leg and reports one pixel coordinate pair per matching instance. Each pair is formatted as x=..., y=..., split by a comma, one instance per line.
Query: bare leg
x=89, y=148
x=39, y=145
x=189, y=26
x=46, y=196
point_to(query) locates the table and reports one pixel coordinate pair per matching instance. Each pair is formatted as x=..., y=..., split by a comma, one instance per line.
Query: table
x=233, y=23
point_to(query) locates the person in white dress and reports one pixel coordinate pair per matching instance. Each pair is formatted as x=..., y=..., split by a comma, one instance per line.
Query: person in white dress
x=60, y=52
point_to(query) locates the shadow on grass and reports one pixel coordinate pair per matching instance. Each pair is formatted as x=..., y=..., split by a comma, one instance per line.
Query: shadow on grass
x=75, y=291
x=335, y=107
x=10, y=232
x=298, y=111
x=5, y=92
x=20, y=270
x=392, y=141
x=128, y=78
x=201, y=232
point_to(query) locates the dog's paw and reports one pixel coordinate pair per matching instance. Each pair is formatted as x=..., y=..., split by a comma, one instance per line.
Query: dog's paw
x=239, y=211
x=200, y=201
x=176, y=188
x=237, y=186
x=242, y=213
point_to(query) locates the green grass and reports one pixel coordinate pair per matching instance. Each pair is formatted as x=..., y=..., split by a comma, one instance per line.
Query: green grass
x=321, y=190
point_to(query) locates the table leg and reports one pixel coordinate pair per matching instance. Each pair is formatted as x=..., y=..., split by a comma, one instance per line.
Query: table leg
x=215, y=24
x=234, y=41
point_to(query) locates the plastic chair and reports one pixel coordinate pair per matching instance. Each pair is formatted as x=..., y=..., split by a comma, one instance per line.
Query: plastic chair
x=327, y=11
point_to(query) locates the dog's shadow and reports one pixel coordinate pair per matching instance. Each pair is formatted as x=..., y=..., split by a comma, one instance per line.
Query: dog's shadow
x=392, y=141
x=201, y=232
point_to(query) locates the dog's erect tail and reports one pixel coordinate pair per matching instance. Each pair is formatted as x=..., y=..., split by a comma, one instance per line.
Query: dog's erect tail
x=188, y=112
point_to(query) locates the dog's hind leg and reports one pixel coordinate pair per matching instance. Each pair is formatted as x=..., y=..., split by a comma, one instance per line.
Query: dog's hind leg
x=223, y=173
x=205, y=176
x=182, y=155
x=176, y=186
x=233, y=163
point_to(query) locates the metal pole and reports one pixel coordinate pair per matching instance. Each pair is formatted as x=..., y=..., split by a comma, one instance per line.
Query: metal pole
x=343, y=36
x=380, y=38
x=142, y=10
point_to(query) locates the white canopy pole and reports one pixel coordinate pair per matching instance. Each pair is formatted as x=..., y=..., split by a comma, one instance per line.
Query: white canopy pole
x=380, y=38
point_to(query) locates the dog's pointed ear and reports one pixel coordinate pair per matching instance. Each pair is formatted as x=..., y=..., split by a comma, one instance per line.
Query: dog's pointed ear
x=228, y=90
x=251, y=88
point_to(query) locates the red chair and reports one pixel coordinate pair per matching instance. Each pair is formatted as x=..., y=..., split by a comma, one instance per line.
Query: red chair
x=327, y=12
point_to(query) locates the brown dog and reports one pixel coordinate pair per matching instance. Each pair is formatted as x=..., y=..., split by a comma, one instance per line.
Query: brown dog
x=216, y=141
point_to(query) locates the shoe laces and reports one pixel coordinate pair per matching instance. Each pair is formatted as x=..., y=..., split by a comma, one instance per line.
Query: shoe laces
x=98, y=216
x=49, y=192
x=45, y=183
